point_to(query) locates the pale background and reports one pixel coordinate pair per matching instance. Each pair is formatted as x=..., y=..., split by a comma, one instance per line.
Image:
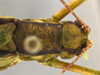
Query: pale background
x=89, y=12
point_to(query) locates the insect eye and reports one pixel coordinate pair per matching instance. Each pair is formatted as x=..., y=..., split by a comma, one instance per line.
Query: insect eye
x=32, y=44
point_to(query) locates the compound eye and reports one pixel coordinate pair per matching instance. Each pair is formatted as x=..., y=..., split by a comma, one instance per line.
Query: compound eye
x=32, y=44
x=78, y=24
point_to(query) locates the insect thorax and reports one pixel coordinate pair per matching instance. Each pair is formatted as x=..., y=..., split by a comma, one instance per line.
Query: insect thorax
x=47, y=32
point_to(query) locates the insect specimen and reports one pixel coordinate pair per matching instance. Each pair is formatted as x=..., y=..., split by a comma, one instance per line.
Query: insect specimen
x=42, y=40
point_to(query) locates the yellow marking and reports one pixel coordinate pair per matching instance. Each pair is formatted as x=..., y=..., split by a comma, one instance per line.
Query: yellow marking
x=86, y=56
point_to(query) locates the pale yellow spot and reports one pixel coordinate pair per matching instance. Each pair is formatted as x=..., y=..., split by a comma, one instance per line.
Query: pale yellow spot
x=86, y=56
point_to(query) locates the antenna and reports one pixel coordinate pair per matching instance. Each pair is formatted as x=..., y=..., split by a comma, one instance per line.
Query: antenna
x=86, y=30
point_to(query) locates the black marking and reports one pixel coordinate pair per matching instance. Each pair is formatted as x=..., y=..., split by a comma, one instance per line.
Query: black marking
x=67, y=22
x=78, y=24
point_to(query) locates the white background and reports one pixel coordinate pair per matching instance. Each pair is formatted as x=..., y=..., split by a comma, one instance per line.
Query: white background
x=89, y=12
